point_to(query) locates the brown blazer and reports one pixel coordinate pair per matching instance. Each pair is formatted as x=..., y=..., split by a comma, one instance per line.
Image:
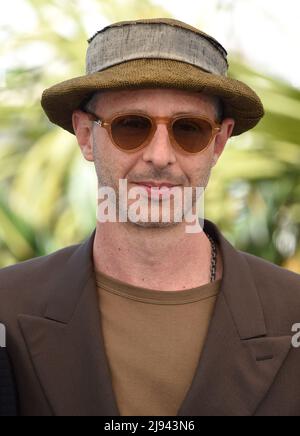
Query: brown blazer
x=248, y=366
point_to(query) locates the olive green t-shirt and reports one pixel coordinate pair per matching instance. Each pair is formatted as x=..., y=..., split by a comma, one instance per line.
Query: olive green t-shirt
x=153, y=342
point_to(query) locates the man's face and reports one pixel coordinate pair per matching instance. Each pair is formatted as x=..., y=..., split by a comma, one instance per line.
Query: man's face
x=159, y=161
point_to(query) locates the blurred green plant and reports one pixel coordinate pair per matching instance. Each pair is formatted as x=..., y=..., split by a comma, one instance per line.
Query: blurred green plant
x=48, y=191
x=255, y=188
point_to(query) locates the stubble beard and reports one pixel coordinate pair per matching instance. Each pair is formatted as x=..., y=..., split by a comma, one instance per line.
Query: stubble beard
x=105, y=179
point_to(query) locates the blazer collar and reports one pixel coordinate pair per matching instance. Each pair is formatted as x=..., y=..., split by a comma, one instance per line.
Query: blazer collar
x=237, y=366
x=238, y=288
x=239, y=361
x=66, y=344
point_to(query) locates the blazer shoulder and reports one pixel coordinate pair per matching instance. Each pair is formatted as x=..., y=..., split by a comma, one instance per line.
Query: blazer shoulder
x=279, y=293
x=33, y=268
x=271, y=271
x=23, y=285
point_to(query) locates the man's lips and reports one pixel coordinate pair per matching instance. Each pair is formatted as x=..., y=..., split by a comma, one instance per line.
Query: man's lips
x=156, y=185
x=156, y=190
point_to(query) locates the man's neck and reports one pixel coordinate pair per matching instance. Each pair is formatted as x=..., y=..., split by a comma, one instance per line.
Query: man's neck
x=160, y=259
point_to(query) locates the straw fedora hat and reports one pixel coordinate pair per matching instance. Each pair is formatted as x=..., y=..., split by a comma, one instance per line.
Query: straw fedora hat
x=154, y=53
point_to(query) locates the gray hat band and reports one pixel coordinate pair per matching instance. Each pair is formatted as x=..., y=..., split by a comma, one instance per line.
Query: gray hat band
x=115, y=45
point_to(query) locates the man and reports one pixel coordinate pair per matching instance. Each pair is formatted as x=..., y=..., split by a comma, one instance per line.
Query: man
x=146, y=318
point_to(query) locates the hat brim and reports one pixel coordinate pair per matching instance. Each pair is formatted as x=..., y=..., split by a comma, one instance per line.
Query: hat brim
x=240, y=102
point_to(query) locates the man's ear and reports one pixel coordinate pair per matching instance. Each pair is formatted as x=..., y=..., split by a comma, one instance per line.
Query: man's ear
x=83, y=126
x=222, y=138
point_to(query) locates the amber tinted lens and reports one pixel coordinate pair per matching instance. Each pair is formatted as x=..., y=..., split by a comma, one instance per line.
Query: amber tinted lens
x=192, y=134
x=130, y=131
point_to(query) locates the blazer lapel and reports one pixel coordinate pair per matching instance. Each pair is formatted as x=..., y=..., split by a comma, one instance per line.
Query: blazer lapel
x=239, y=361
x=66, y=345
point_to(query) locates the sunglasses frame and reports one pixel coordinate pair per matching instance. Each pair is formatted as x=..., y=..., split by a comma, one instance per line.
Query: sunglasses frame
x=169, y=121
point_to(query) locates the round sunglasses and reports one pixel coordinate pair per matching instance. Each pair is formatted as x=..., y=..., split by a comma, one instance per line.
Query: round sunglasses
x=132, y=131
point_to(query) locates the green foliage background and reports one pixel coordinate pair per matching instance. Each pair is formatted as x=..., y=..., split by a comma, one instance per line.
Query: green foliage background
x=48, y=191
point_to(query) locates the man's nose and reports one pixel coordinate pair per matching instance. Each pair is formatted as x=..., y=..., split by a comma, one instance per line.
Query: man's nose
x=160, y=150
